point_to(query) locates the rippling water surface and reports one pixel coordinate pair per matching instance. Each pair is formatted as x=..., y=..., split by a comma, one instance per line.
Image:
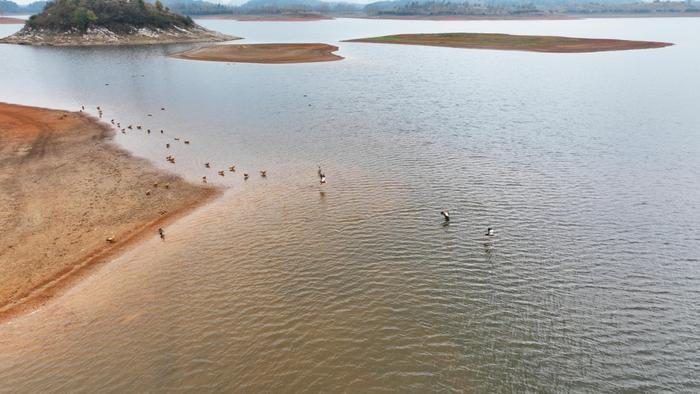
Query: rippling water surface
x=587, y=165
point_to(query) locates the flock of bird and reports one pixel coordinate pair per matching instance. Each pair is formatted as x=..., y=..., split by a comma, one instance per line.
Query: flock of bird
x=231, y=168
x=171, y=158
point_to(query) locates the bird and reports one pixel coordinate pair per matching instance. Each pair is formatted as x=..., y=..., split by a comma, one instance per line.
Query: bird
x=263, y=173
x=489, y=232
x=221, y=173
x=162, y=109
x=245, y=176
x=148, y=192
x=232, y=168
x=323, y=179
x=129, y=127
x=176, y=139
x=82, y=107
x=446, y=214
x=167, y=145
x=149, y=131
x=204, y=179
x=98, y=108
x=187, y=142
x=207, y=165
x=110, y=240
x=155, y=184
x=138, y=127
x=161, y=233
x=161, y=131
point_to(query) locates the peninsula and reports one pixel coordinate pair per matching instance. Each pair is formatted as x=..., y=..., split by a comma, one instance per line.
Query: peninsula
x=263, y=53
x=110, y=22
x=510, y=42
x=70, y=200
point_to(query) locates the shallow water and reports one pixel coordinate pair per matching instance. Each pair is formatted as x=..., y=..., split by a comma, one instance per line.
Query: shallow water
x=587, y=165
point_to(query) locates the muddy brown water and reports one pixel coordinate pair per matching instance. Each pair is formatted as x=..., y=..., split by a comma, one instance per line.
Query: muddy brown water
x=585, y=164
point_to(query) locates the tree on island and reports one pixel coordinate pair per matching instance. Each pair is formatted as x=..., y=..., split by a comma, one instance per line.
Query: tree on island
x=119, y=16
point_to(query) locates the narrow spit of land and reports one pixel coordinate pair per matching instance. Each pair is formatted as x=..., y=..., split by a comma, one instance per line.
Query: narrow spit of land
x=509, y=42
x=65, y=189
x=271, y=17
x=11, y=21
x=263, y=53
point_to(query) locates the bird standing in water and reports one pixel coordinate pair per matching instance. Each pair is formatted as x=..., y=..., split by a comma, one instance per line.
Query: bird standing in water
x=445, y=214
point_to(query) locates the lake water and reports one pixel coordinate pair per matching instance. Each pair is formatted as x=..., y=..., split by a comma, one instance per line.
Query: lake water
x=587, y=166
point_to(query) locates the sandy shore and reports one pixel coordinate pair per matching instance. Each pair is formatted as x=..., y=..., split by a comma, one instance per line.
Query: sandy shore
x=11, y=21
x=269, y=18
x=64, y=189
x=263, y=53
x=509, y=42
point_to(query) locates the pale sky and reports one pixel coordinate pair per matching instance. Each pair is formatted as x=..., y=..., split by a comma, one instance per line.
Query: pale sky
x=233, y=2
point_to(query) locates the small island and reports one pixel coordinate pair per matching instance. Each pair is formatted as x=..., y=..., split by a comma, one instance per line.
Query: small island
x=263, y=53
x=508, y=42
x=110, y=22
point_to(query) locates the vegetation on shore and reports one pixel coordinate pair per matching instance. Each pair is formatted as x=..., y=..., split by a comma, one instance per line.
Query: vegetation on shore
x=115, y=15
x=514, y=42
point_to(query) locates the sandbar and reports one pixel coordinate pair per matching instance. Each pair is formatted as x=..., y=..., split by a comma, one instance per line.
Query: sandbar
x=263, y=53
x=271, y=18
x=510, y=42
x=11, y=21
x=65, y=188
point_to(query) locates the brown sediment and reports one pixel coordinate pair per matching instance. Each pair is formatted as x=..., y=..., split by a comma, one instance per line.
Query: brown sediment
x=269, y=18
x=514, y=42
x=11, y=21
x=64, y=189
x=263, y=53
x=468, y=17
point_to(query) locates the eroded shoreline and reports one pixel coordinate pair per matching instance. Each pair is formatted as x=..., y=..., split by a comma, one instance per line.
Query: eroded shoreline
x=65, y=189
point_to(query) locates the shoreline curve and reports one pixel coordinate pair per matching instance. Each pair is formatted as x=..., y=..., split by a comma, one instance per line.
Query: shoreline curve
x=34, y=139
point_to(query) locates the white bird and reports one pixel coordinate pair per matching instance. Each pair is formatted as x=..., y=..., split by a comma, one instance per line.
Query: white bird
x=489, y=232
x=446, y=214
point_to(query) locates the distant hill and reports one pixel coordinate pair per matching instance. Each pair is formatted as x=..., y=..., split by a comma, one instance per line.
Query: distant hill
x=524, y=7
x=285, y=6
x=10, y=7
x=93, y=22
x=198, y=7
x=282, y=3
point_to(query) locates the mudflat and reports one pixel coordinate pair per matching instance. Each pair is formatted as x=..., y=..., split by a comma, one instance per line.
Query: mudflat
x=263, y=53
x=70, y=199
x=271, y=18
x=11, y=21
x=510, y=42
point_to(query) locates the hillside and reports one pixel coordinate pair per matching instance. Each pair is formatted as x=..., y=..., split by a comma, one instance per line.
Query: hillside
x=10, y=7
x=99, y=22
